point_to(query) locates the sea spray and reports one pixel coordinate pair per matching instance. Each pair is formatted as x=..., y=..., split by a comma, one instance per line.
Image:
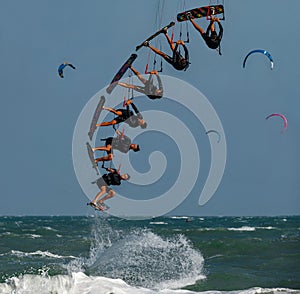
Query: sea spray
x=101, y=237
x=140, y=257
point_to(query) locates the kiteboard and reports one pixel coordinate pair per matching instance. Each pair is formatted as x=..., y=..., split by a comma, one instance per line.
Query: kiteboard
x=96, y=117
x=101, y=207
x=204, y=11
x=155, y=35
x=121, y=72
x=91, y=156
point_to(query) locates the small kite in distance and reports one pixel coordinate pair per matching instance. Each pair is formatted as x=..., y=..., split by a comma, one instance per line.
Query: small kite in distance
x=284, y=120
x=259, y=51
x=213, y=131
x=62, y=66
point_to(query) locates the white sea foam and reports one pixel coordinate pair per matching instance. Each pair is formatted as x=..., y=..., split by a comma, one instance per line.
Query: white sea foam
x=215, y=256
x=6, y=234
x=50, y=229
x=33, y=236
x=266, y=228
x=39, y=253
x=250, y=229
x=241, y=229
x=210, y=229
x=79, y=283
x=76, y=283
x=158, y=223
x=258, y=290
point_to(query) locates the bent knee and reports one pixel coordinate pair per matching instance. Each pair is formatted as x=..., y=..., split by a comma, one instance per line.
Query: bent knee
x=112, y=193
x=103, y=188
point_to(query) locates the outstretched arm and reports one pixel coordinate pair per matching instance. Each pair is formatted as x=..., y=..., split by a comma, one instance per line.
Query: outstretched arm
x=125, y=85
x=112, y=110
x=138, y=75
x=111, y=170
x=170, y=41
x=197, y=27
x=157, y=51
x=160, y=85
x=220, y=29
x=186, y=52
x=210, y=27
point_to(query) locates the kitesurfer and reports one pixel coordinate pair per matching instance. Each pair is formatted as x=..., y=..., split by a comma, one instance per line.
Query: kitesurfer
x=211, y=38
x=149, y=88
x=177, y=60
x=113, y=178
x=121, y=142
x=125, y=115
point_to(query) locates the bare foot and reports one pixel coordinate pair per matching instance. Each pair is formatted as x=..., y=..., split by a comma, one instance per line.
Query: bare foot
x=101, y=206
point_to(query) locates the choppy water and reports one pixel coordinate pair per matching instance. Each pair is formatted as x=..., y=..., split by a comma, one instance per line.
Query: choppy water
x=163, y=255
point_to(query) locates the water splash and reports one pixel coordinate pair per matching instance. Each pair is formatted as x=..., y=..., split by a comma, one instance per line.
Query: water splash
x=141, y=258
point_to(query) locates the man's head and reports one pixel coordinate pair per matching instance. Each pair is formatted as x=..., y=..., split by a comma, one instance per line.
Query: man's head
x=183, y=62
x=125, y=177
x=142, y=124
x=159, y=93
x=134, y=147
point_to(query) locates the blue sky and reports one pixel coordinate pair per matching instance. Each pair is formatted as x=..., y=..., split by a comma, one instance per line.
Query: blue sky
x=39, y=110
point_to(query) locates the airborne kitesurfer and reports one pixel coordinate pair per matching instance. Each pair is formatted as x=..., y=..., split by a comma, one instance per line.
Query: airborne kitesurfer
x=177, y=60
x=125, y=115
x=120, y=142
x=211, y=38
x=113, y=178
x=149, y=88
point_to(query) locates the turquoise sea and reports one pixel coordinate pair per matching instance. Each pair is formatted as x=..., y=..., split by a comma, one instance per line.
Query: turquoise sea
x=103, y=254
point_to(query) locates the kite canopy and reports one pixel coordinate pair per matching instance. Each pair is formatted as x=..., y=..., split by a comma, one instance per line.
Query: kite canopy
x=61, y=68
x=283, y=117
x=259, y=51
x=216, y=132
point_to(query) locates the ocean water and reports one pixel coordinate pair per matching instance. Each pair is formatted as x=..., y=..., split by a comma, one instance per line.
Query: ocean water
x=103, y=254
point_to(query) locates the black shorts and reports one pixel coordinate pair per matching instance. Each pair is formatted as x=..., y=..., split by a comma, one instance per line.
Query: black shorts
x=108, y=141
x=212, y=44
x=177, y=65
x=100, y=183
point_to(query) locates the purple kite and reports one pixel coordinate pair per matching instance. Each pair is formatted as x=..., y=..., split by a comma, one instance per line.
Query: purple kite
x=283, y=117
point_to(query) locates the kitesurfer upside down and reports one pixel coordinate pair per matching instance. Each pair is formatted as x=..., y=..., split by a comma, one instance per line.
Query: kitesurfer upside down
x=113, y=178
x=211, y=38
x=125, y=115
x=149, y=88
x=177, y=60
x=120, y=142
